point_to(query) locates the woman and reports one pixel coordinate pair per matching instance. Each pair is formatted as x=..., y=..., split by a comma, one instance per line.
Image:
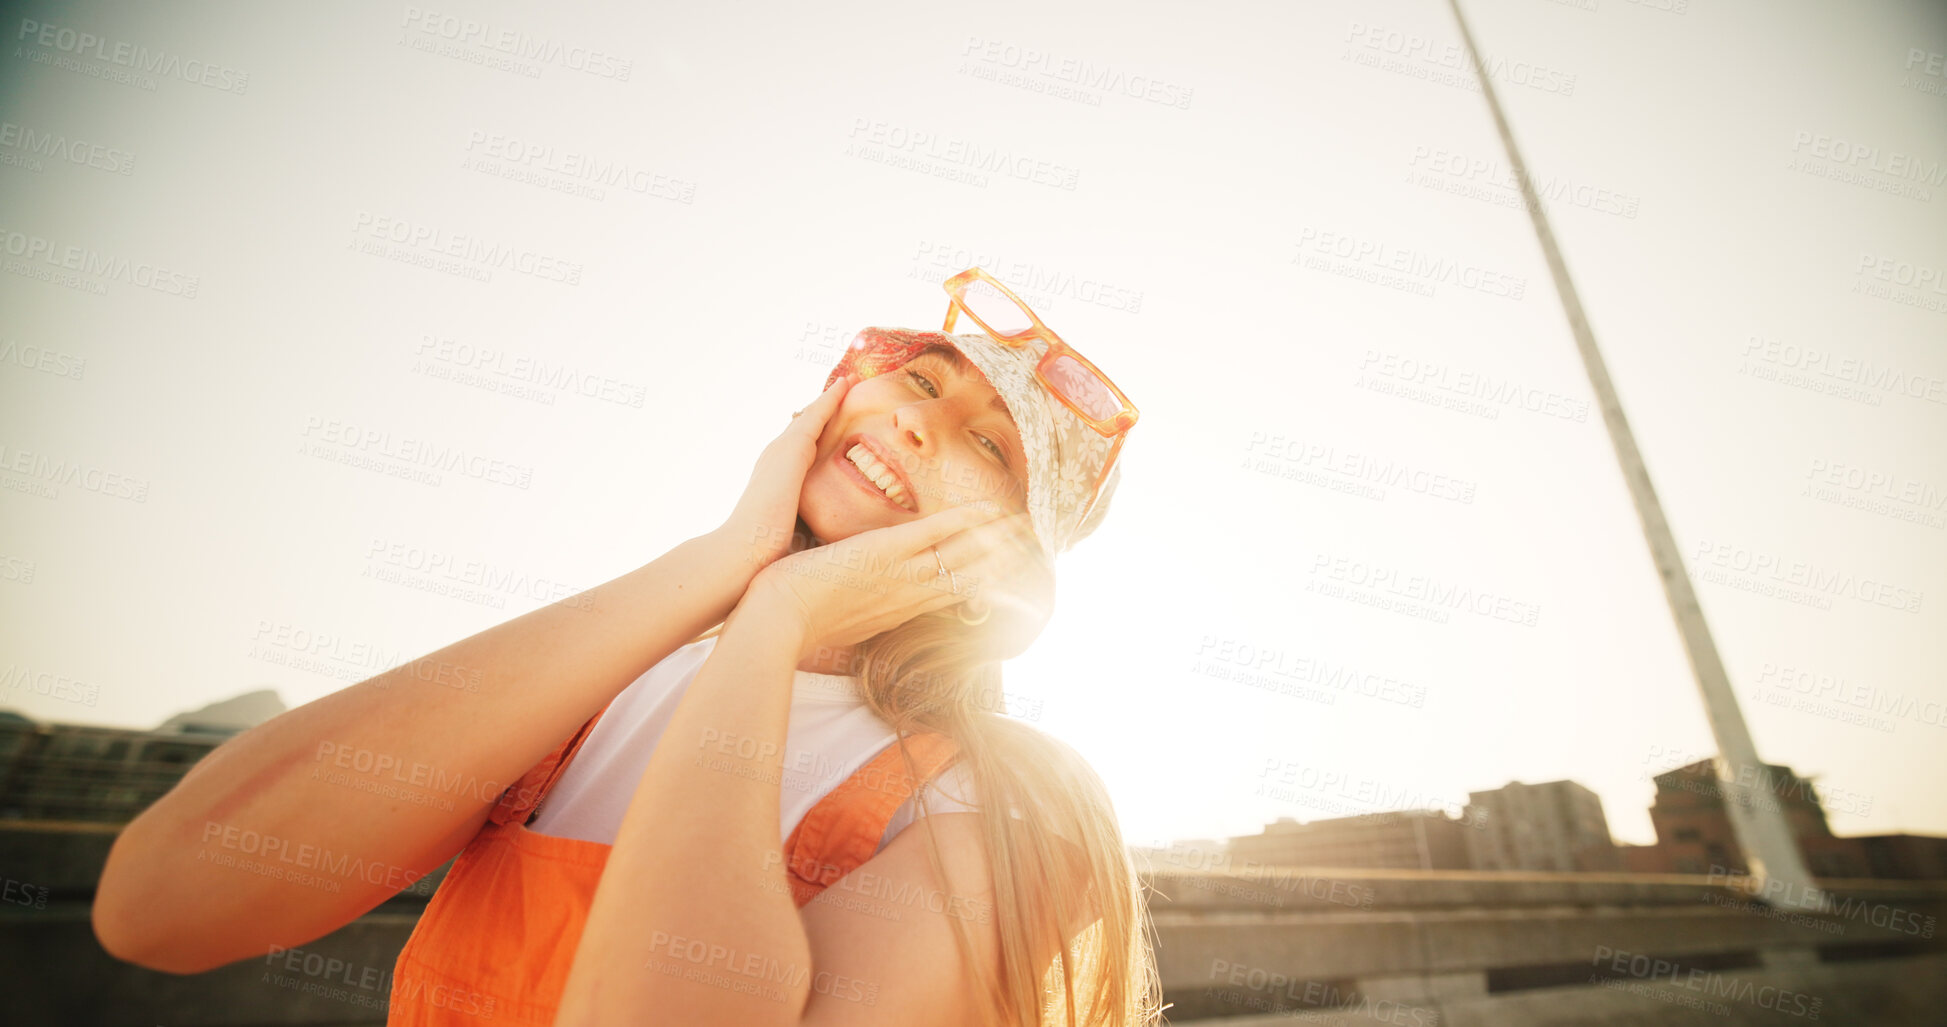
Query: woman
x=896, y=539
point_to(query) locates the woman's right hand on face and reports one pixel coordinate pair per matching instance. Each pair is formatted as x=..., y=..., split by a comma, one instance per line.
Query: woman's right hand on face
x=759, y=530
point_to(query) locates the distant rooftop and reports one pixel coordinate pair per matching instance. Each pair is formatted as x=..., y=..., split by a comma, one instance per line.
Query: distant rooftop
x=238, y=713
x=227, y=717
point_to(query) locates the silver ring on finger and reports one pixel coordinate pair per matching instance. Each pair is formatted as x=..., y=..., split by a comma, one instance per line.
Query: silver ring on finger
x=952, y=582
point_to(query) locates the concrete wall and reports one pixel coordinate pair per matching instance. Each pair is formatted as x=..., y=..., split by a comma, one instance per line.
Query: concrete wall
x=1403, y=947
x=1431, y=947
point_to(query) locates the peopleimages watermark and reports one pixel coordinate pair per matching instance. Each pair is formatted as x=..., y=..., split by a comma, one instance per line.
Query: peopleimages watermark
x=1760, y=785
x=1932, y=71
x=1214, y=871
x=382, y=773
x=371, y=987
x=1822, y=902
x=1468, y=391
x=1876, y=491
x=1448, y=64
x=86, y=269
x=1796, y=581
x=377, y=449
x=1918, y=285
x=1362, y=473
x=895, y=144
x=749, y=973
x=1761, y=788
x=23, y=470
x=1843, y=160
x=988, y=696
x=880, y=895
x=118, y=55
x=1269, y=990
x=457, y=253
x=567, y=171
x=1490, y=181
x=1785, y=916
x=1860, y=718
x=1012, y=64
x=282, y=859
x=17, y=568
x=754, y=759
x=1288, y=672
x=510, y=45
x=876, y=571
x=519, y=375
x=1418, y=270
x=1861, y=380
x=1416, y=595
x=21, y=893
x=48, y=685
x=1370, y=797
x=41, y=359
x=332, y=655
x=1708, y=983
x=36, y=148
x=1861, y=696
x=475, y=580
x=1038, y=286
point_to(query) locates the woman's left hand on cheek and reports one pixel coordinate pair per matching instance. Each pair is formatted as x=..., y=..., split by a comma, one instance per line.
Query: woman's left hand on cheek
x=847, y=591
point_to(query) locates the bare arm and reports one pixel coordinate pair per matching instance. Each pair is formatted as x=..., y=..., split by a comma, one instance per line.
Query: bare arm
x=697, y=924
x=694, y=921
x=303, y=823
x=698, y=855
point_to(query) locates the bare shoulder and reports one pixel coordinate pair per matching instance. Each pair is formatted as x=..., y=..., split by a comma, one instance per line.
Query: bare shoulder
x=882, y=937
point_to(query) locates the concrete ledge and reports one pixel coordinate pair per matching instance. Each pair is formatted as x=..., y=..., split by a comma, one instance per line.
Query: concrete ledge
x=1329, y=946
x=342, y=978
x=1327, y=889
x=1885, y=993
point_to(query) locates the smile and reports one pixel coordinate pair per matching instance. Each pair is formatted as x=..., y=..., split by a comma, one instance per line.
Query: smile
x=862, y=464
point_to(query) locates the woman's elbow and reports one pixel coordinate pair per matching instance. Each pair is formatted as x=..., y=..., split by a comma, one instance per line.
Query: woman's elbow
x=123, y=934
x=119, y=934
x=124, y=920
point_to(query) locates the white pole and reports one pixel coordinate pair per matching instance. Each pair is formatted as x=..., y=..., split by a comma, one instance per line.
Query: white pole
x=1777, y=871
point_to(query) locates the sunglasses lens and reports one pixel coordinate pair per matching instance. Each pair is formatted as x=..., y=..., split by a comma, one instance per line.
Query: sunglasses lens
x=1083, y=388
x=1001, y=314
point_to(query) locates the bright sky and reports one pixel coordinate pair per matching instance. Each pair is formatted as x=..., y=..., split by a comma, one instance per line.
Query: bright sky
x=1285, y=230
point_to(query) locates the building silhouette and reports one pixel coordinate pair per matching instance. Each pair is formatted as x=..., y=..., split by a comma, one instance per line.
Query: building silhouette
x=1693, y=831
x=1557, y=825
x=1411, y=839
x=107, y=775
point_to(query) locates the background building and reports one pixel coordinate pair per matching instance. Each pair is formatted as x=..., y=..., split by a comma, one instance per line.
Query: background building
x=1557, y=825
x=80, y=772
x=1693, y=834
x=1416, y=839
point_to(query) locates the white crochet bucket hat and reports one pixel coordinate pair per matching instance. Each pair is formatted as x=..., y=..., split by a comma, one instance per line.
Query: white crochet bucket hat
x=1064, y=454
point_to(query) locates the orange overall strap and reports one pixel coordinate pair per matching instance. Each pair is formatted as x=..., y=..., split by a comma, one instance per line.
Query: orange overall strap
x=530, y=788
x=843, y=830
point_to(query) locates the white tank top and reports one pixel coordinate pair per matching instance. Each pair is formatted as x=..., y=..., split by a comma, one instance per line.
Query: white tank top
x=830, y=734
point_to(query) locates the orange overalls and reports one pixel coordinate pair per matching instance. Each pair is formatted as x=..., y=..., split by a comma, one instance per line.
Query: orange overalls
x=495, y=943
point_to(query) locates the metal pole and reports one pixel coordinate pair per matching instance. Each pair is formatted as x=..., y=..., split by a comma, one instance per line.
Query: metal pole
x=1776, y=869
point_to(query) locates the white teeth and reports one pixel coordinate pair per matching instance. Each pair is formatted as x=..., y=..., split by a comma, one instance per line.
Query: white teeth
x=879, y=474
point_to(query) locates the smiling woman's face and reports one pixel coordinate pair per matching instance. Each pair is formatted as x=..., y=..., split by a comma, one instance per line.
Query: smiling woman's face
x=932, y=428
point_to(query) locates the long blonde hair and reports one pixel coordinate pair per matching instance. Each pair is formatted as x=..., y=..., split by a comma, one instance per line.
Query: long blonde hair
x=1066, y=893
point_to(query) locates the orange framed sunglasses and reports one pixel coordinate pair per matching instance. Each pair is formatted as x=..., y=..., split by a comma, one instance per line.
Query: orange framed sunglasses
x=1069, y=376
